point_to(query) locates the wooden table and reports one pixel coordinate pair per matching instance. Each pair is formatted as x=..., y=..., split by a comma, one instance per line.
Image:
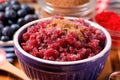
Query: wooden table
x=8, y=76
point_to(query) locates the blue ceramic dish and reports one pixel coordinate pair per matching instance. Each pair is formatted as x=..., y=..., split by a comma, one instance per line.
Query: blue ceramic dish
x=9, y=48
x=39, y=69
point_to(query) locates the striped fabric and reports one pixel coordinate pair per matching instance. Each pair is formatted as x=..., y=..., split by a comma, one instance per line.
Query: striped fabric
x=10, y=52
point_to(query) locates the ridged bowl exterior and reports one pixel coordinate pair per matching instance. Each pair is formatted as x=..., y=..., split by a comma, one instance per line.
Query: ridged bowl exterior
x=40, y=71
x=9, y=49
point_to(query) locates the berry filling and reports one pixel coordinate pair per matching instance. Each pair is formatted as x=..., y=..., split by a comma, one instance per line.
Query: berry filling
x=60, y=39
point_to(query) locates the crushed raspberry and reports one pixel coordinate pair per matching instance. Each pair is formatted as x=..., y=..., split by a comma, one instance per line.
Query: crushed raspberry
x=59, y=43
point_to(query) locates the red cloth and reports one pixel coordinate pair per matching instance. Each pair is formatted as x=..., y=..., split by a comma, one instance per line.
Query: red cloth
x=101, y=5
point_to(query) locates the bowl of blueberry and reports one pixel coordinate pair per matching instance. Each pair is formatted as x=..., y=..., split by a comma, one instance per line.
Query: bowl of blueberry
x=62, y=48
x=13, y=15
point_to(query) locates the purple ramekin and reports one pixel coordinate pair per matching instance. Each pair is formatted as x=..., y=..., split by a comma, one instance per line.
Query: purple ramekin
x=39, y=69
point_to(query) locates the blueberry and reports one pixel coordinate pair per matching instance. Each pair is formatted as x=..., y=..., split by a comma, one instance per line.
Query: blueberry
x=7, y=31
x=25, y=7
x=15, y=2
x=21, y=21
x=7, y=3
x=31, y=10
x=29, y=18
x=0, y=34
x=1, y=27
x=4, y=38
x=1, y=22
x=2, y=8
x=2, y=16
x=8, y=8
x=35, y=17
x=16, y=7
x=21, y=13
x=10, y=22
x=10, y=14
x=15, y=27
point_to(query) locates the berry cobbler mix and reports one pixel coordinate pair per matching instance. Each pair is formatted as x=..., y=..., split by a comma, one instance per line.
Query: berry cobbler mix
x=60, y=39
